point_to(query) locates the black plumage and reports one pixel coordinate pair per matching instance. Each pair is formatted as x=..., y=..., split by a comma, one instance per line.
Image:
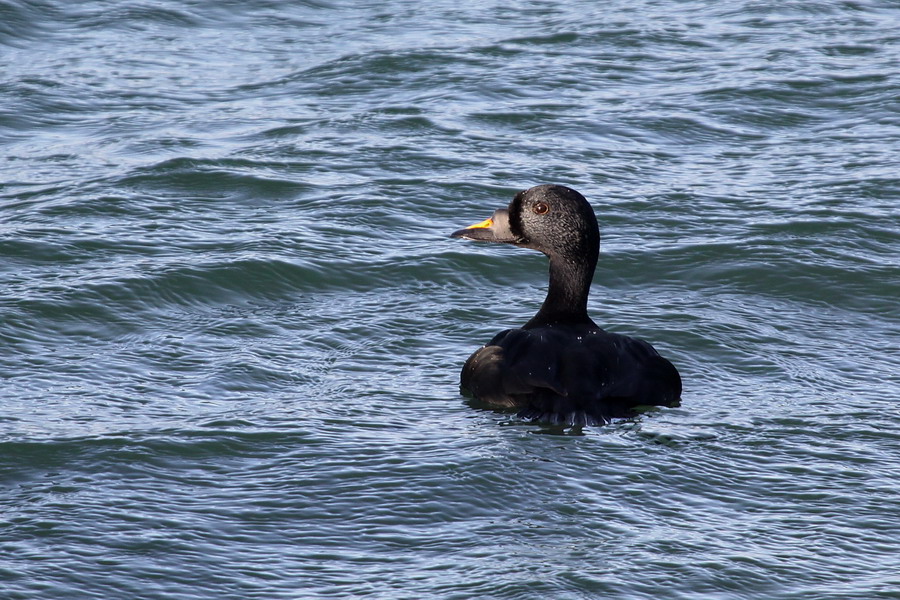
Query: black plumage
x=560, y=367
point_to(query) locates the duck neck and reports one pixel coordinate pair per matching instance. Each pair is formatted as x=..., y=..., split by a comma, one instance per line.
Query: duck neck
x=570, y=283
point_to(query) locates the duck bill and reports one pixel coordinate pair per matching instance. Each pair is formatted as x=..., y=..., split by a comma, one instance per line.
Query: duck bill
x=493, y=229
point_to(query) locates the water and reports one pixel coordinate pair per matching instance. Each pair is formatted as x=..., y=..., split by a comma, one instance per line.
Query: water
x=232, y=320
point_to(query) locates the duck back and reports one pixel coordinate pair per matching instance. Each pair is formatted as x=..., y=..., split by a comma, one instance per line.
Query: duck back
x=570, y=374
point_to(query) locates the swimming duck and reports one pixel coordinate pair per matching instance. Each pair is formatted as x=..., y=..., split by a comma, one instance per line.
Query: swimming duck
x=560, y=367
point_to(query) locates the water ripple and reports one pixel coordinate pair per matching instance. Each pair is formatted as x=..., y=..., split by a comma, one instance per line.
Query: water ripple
x=232, y=322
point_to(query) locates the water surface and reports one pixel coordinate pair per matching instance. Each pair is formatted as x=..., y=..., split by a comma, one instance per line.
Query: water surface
x=232, y=322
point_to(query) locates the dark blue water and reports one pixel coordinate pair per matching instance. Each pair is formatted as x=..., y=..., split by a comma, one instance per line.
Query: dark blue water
x=232, y=322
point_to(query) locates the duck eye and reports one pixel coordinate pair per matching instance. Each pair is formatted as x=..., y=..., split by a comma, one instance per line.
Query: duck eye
x=541, y=208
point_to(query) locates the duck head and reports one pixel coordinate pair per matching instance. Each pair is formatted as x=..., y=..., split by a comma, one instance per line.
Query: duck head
x=553, y=219
x=559, y=222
